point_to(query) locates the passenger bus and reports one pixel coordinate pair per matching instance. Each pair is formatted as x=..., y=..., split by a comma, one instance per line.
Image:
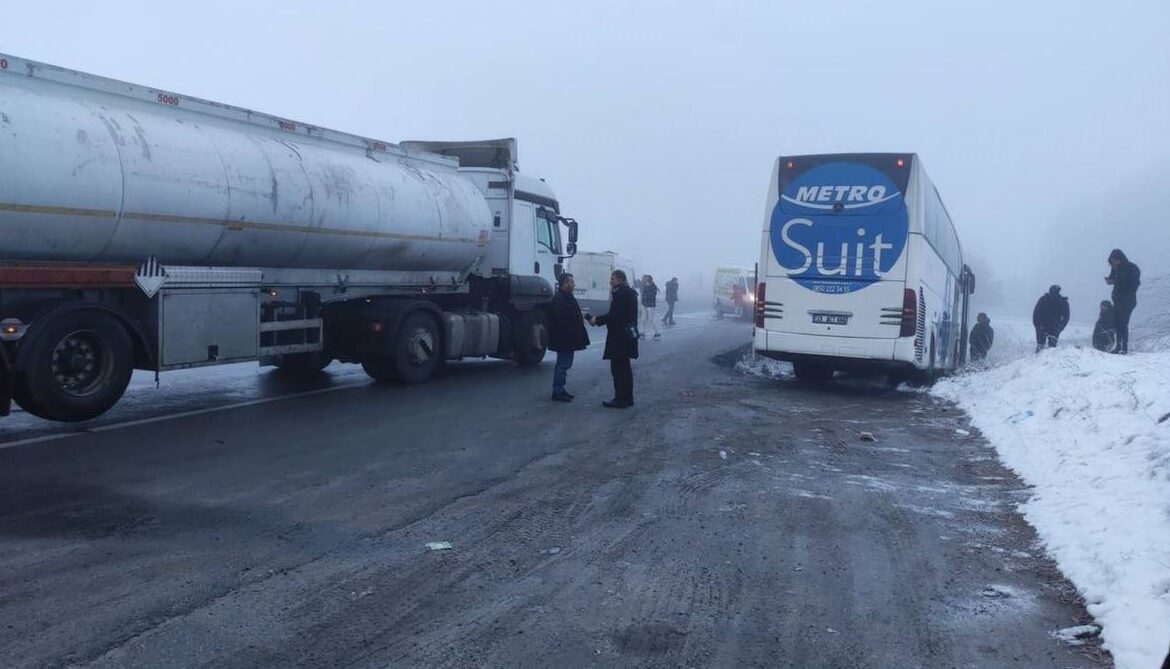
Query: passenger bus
x=860, y=269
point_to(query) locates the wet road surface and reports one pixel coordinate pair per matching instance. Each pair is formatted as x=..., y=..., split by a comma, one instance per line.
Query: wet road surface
x=729, y=520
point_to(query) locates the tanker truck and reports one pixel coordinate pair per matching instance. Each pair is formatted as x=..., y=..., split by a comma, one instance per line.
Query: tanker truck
x=145, y=229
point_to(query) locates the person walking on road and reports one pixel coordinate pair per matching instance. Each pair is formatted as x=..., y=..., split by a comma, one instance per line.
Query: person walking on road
x=1049, y=318
x=649, y=302
x=671, y=298
x=1125, y=279
x=982, y=337
x=621, y=339
x=1105, y=331
x=566, y=335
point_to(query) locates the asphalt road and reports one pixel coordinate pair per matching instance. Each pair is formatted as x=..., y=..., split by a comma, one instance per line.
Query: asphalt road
x=729, y=520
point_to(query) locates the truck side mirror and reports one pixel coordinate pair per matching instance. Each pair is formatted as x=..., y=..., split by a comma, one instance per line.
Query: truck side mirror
x=571, y=247
x=572, y=225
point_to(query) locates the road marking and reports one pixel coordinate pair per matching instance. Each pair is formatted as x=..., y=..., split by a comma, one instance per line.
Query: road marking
x=173, y=416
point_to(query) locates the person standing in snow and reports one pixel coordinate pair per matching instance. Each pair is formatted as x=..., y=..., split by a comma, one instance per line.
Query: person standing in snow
x=982, y=337
x=621, y=339
x=649, y=302
x=1049, y=318
x=1105, y=332
x=1125, y=279
x=566, y=335
x=671, y=298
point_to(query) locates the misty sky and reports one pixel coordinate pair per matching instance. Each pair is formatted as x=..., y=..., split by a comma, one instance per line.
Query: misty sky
x=1045, y=125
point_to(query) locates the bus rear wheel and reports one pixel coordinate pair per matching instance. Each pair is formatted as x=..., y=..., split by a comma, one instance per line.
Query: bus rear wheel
x=812, y=372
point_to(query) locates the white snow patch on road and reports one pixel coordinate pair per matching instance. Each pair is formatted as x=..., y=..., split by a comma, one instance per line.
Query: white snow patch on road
x=1090, y=432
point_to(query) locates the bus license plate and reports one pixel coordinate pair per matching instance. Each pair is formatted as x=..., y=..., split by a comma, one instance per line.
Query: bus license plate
x=831, y=319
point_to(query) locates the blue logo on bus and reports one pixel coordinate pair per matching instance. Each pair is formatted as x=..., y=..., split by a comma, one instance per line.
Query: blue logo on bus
x=839, y=227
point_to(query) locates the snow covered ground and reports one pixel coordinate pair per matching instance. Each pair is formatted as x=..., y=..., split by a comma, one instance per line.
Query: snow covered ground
x=1090, y=432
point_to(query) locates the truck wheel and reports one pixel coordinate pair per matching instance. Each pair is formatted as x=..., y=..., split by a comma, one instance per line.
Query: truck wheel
x=812, y=372
x=303, y=364
x=77, y=367
x=530, y=339
x=416, y=352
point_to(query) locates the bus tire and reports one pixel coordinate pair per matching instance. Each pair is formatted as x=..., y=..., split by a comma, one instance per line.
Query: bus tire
x=812, y=372
x=77, y=366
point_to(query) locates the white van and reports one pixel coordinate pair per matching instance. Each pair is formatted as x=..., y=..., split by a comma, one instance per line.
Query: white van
x=591, y=273
x=735, y=293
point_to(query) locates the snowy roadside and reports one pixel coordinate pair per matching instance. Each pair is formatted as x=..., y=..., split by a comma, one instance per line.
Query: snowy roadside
x=1090, y=433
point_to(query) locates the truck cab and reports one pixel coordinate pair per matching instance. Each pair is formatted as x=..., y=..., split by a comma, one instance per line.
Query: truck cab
x=526, y=237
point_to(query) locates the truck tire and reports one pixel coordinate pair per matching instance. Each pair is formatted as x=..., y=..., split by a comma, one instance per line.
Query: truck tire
x=812, y=372
x=415, y=355
x=530, y=338
x=303, y=364
x=76, y=367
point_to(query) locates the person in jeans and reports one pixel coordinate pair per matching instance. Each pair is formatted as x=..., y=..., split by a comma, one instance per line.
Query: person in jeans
x=1125, y=279
x=621, y=339
x=566, y=335
x=649, y=302
x=671, y=298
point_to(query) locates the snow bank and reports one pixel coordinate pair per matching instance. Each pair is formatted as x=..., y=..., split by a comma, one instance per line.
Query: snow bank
x=1090, y=432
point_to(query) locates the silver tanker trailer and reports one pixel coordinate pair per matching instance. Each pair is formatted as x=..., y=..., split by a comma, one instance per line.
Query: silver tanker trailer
x=144, y=229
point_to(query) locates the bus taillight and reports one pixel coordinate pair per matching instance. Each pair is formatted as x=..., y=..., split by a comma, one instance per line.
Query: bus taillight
x=909, y=313
x=760, y=304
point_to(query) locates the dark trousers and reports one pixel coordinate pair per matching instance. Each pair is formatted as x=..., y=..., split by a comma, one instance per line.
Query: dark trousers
x=561, y=370
x=1046, y=339
x=669, y=317
x=623, y=379
x=1121, y=313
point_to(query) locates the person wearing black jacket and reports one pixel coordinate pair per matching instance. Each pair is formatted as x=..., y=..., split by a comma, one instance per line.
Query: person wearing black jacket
x=566, y=335
x=982, y=337
x=671, y=298
x=649, y=303
x=1049, y=318
x=621, y=339
x=1125, y=279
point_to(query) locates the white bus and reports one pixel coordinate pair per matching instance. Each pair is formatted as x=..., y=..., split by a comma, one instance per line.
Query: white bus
x=860, y=269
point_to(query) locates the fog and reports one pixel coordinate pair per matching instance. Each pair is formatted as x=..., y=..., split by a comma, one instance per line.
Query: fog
x=1045, y=126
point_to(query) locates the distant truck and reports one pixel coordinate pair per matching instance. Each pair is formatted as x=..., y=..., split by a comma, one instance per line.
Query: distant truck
x=734, y=292
x=591, y=273
x=144, y=229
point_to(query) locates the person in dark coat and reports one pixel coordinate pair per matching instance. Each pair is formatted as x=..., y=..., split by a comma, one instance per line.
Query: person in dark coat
x=671, y=298
x=649, y=303
x=566, y=335
x=1049, y=317
x=1105, y=331
x=982, y=337
x=621, y=339
x=1125, y=278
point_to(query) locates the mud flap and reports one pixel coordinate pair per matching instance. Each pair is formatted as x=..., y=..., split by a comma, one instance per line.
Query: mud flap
x=5, y=382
